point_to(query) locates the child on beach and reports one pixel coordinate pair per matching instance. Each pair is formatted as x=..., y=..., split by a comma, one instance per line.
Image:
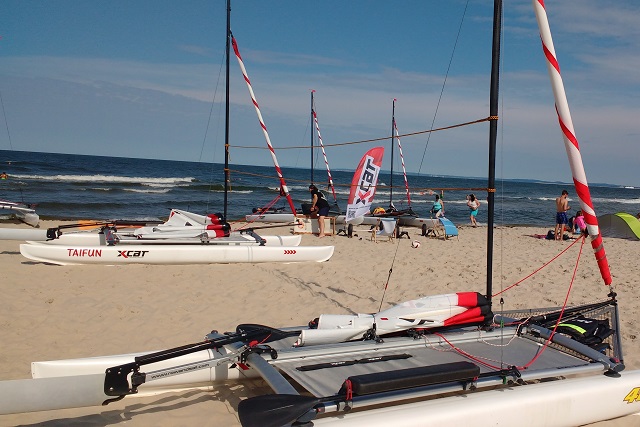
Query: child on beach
x=579, y=226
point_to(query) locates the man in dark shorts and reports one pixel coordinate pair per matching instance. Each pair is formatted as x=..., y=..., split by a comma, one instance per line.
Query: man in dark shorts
x=320, y=205
x=562, y=206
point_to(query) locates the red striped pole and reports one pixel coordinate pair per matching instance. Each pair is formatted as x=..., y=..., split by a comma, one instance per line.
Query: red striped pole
x=404, y=171
x=264, y=127
x=571, y=141
x=326, y=162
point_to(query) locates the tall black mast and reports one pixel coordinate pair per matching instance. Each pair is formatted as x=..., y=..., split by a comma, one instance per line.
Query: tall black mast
x=226, y=118
x=393, y=125
x=493, y=133
x=311, y=132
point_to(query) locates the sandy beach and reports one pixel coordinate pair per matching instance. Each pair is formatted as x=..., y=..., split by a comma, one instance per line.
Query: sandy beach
x=60, y=312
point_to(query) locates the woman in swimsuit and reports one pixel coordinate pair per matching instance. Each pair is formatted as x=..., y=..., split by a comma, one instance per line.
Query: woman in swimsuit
x=438, y=207
x=473, y=204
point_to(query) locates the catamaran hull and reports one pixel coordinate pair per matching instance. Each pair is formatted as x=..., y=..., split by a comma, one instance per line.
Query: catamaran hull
x=570, y=402
x=76, y=383
x=412, y=221
x=171, y=254
x=24, y=214
x=24, y=234
x=94, y=238
x=84, y=238
x=271, y=217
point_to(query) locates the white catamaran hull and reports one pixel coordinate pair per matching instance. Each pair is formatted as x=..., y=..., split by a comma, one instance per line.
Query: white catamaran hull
x=171, y=253
x=271, y=217
x=565, y=403
x=80, y=382
x=84, y=238
x=20, y=211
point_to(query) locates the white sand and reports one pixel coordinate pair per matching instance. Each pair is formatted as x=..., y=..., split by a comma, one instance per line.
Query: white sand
x=54, y=312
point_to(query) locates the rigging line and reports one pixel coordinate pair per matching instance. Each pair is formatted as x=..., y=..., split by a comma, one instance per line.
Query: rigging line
x=473, y=122
x=213, y=103
x=543, y=266
x=6, y=122
x=307, y=129
x=393, y=260
x=566, y=299
x=206, y=132
x=444, y=83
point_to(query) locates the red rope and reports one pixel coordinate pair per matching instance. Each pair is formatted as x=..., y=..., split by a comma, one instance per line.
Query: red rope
x=543, y=266
x=564, y=305
x=465, y=354
x=548, y=341
x=258, y=213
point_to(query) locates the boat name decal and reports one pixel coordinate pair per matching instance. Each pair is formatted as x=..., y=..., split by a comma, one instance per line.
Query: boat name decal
x=289, y=251
x=132, y=254
x=84, y=253
x=182, y=370
x=367, y=181
x=633, y=396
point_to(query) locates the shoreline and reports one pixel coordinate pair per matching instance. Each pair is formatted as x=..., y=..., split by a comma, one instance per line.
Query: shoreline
x=61, y=312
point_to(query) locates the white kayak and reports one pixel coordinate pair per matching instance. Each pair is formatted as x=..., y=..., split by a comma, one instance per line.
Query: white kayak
x=204, y=253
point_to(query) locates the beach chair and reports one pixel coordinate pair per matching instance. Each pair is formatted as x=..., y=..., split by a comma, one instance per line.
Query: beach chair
x=450, y=229
x=386, y=227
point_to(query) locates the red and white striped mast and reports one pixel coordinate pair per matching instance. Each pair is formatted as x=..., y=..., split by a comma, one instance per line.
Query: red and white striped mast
x=571, y=141
x=404, y=170
x=283, y=185
x=324, y=154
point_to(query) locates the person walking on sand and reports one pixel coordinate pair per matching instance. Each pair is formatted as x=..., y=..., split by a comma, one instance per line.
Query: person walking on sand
x=473, y=204
x=320, y=204
x=438, y=207
x=562, y=206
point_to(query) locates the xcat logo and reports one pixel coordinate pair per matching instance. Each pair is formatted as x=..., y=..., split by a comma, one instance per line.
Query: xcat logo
x=289, y=252
x=368, y=177
x=84, y=253
x=132, y=254
x=633, y=396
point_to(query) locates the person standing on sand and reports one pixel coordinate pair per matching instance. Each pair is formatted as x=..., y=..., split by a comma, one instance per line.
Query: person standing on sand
x=473, y=204
x=562, y=206
x=320, y=204
x=438, y=207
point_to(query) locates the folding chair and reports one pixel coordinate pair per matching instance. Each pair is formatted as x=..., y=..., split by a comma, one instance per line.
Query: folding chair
x=386, y=227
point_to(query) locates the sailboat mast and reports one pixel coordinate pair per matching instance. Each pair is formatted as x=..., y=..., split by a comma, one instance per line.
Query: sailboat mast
x=393, y=125
x=571, y=142
x=311, y=132
x=226, y=117
x=404, y=169
x=493, y=135
x=283, y=184
x=314, y=118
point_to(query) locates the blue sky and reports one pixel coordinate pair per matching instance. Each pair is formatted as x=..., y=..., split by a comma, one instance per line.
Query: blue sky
x=145, y=79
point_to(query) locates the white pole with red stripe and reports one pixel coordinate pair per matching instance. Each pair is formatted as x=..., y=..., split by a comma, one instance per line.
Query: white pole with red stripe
x=404, y=170
x=571, y=141
x=326, y=162
x=283, y=185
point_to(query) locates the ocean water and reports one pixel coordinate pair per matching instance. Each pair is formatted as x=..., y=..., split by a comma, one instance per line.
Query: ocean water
x=74, y=187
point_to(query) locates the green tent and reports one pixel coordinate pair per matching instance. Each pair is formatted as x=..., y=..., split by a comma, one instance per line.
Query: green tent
x=620, y=225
